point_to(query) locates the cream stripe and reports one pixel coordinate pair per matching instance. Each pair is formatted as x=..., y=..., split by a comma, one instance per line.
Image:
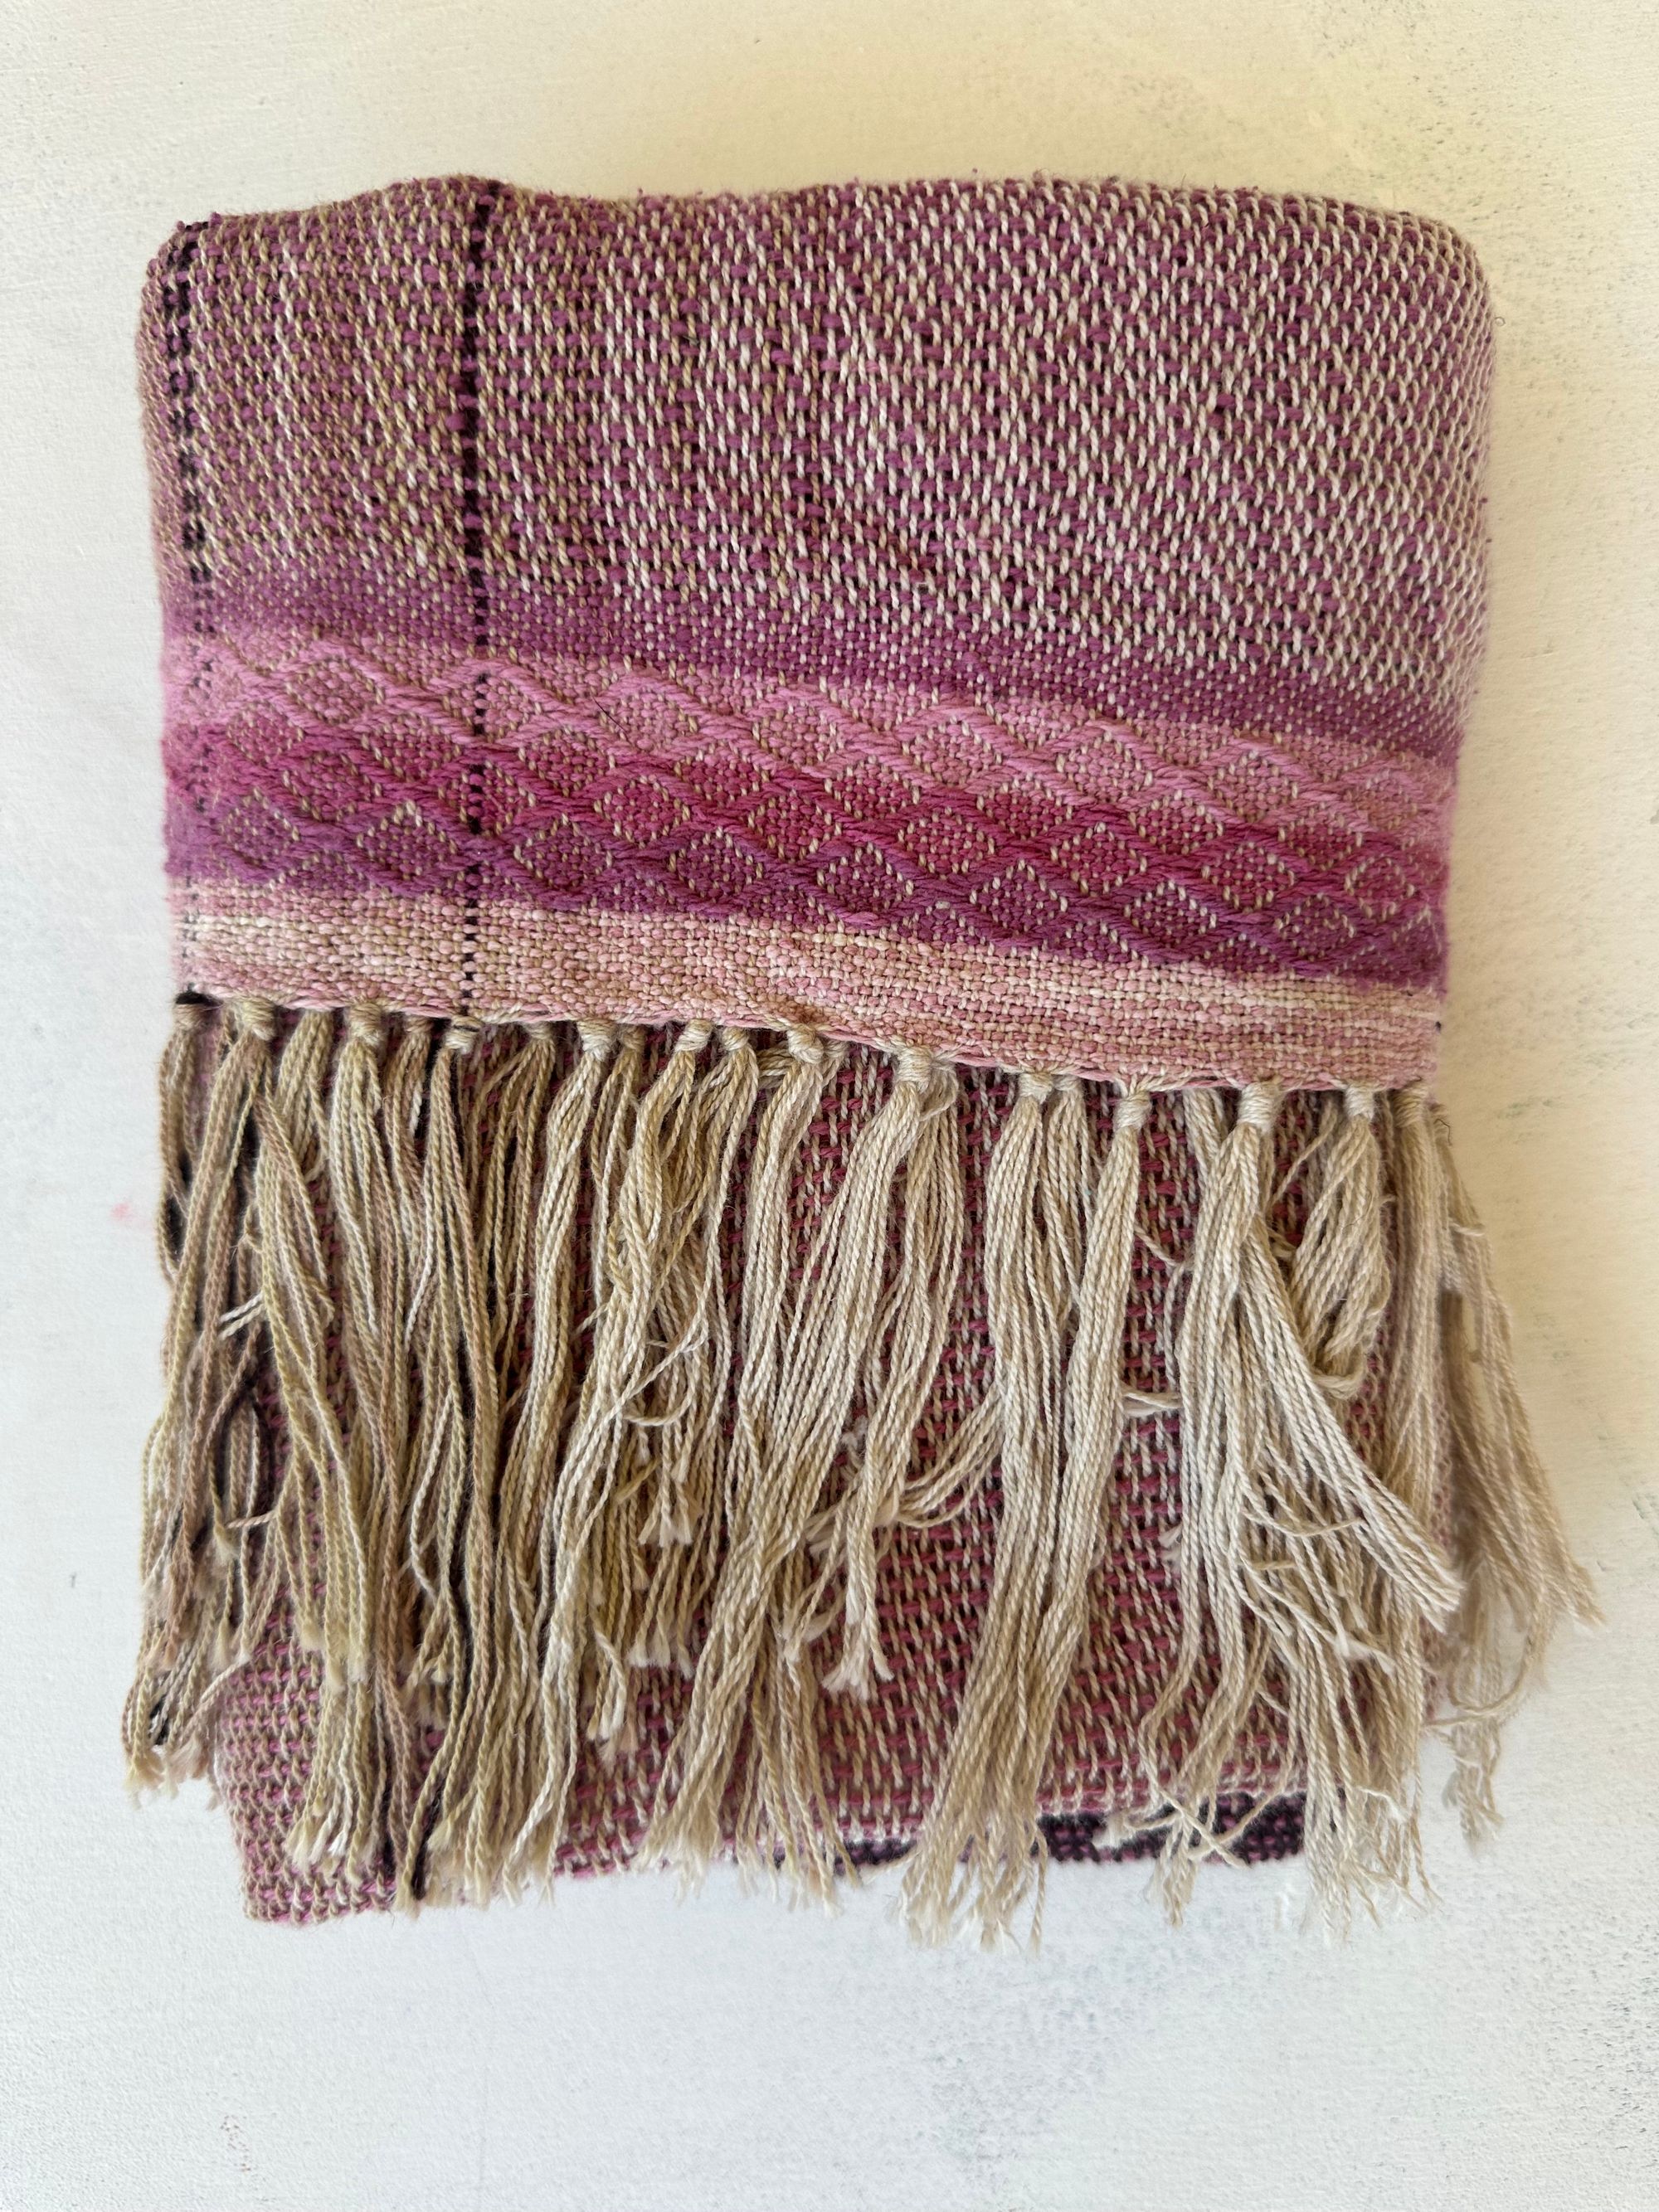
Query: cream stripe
x=1152, y=1026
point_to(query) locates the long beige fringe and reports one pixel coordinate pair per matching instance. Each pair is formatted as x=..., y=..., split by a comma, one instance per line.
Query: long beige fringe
x=490, y=1535
x=1515, y=1571
x=1046, y=1272
x=208, y=1566
x=1296, y=1556
x=792, y=1419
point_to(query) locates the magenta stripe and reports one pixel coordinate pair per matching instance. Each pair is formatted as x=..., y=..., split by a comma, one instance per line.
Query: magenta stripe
x=952, y=822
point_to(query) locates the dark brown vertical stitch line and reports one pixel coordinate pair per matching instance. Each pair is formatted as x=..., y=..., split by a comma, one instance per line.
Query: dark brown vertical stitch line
x=176, y=294
x=472, y=545
x=181, y=417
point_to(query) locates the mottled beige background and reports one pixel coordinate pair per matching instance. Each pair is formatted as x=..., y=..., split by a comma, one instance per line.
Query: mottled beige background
x=617, y=2051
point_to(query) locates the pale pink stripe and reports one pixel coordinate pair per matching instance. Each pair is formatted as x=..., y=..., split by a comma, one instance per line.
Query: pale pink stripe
x=390, y=680
x=1166, y=1025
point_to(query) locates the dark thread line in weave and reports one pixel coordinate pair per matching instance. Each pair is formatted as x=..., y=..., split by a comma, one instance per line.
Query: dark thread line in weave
x=181, y=415
x=176, y=296
x=472, y=544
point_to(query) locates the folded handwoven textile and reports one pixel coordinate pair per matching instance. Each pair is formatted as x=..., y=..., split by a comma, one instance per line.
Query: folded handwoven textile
x=808, y=835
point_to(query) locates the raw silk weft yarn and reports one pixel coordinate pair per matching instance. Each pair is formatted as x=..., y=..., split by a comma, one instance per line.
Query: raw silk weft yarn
x=809, y=836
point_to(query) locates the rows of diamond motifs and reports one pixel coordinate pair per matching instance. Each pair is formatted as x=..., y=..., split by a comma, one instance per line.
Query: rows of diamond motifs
x=951, y=819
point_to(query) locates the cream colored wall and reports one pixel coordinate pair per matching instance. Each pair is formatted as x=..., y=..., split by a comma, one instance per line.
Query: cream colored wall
x=619, y=2050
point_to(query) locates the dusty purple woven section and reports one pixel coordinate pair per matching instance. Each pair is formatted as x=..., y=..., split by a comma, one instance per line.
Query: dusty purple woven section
x=1080, y=567
x=1031, y=621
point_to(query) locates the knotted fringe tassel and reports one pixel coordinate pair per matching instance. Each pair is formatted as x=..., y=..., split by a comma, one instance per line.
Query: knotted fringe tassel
x=604, y=1099
x=1513, y=1563
x=295, y=1303
x=488, y=1158
x=451, y=1533
x=638, y=1521
x=691, y=1338
x=320, y=1516
x=882, y=1488
x=361, y=1790
x=687, y=1831
x=982, y=1849
x=210, y=1571
x=794, y=1410
x=687, y=1828
x=1339, y=1274
x=600, y=1577
x=1298, y=1570
x=489, y=1535
x=509, y=1796
x=905, y=1352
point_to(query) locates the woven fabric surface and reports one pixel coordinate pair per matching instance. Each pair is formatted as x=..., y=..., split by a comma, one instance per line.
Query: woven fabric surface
x=808, y=838
x=1031, y=619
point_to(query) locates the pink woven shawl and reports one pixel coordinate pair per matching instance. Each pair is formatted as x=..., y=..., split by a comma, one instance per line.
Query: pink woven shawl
x=808, y=837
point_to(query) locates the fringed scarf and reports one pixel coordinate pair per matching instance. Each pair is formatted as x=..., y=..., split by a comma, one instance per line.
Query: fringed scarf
x=808, y=836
